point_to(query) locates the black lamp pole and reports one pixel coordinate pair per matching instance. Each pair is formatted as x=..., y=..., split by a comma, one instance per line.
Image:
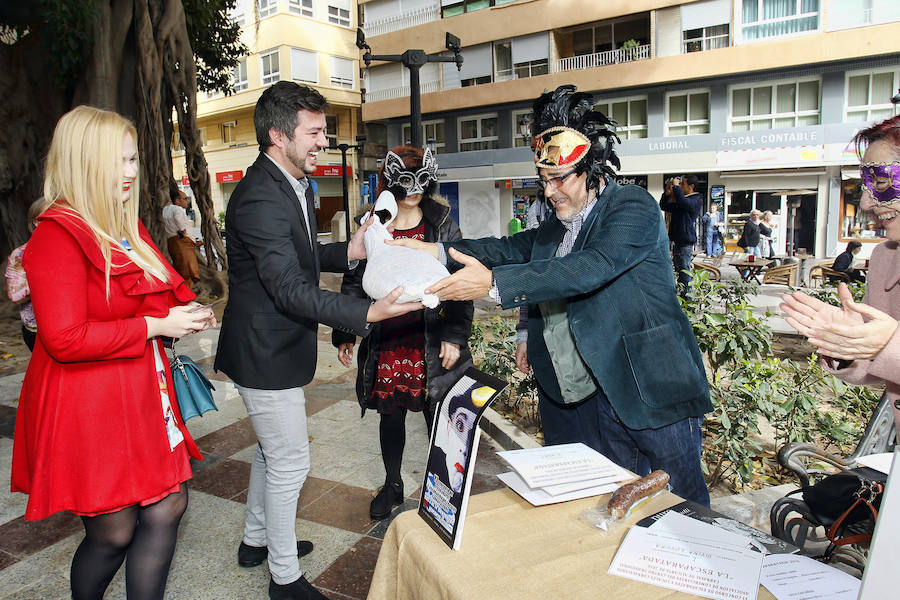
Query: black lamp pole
x=412, y=60
x=343, y=148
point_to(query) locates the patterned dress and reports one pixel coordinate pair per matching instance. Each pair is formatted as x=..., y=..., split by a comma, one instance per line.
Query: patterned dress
x=400, y=380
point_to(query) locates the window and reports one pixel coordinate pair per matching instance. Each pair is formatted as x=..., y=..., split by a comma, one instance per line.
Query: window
x=532, y=68
x=450, y=8
x=431, y=130
x=869, y=96
x=503, y=67
x=856, y=224
x=518, y=117
x=339, y=16
x=266, y=7
x=270, y=70
x=342, y=73
x=630, y=113
x=331, y=130
x=611, y=35
x=705, y=38
x=475, y=81
x=238, y=16
x=239, y=81
x=687, y=113
x=301, y=7
x=478, y=133
x=304, y=66
x=763, y=19
x=788, y=104
x=228, y=134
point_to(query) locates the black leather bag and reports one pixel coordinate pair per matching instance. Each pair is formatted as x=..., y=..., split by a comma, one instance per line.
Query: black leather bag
x=844, y=499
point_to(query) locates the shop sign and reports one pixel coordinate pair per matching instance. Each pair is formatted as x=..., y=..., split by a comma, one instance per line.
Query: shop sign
x=638, y=180
x=784, y=156
x=332, y=171
x=229, y=176
x=530, y=182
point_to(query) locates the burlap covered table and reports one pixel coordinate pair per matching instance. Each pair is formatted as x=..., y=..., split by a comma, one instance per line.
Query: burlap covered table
x=511, y=549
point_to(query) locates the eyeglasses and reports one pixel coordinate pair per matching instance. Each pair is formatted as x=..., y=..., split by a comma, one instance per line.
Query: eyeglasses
x=556, y=181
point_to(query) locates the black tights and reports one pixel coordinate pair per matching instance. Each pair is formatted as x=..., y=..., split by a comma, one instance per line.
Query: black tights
x=392, y=433
x=145, y=534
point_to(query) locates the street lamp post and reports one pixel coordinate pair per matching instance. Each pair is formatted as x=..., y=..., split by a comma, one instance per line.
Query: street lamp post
x=360, y=140
x=412, y=60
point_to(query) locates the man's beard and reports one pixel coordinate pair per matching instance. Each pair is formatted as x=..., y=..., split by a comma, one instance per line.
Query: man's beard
x=297, y=160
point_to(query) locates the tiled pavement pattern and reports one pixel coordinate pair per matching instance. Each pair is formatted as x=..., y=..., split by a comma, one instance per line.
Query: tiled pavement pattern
x=333, y=509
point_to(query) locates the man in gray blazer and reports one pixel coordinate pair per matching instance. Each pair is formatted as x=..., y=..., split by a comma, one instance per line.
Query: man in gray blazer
x=267, y=345
x=614, y=356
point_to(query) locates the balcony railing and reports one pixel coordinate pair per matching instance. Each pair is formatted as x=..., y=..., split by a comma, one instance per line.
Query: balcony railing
x=425, y=87
x=848, y=19
x=610, y=57
x=403, y=21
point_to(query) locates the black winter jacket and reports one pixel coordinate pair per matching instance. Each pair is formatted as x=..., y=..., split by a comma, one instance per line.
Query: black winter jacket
x=450, y=321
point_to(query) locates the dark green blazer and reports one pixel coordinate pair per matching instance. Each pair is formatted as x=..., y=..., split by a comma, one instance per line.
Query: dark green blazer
x=623, y=311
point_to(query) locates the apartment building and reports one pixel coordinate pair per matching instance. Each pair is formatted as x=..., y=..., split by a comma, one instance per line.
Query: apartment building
x=758, y=98
x=308, y=41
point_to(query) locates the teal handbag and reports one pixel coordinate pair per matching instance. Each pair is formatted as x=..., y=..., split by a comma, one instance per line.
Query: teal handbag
x=193, y=391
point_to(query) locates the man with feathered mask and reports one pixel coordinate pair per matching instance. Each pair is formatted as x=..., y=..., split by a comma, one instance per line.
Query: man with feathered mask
x=615, y=358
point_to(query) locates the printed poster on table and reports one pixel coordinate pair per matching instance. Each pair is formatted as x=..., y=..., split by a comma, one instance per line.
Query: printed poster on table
x=451, y=455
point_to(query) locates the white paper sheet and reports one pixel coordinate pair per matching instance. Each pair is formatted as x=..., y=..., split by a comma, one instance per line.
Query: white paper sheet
x=562, y=464
x=539, y=497
x=796, y=577
x=688, y=556
x=880, y=462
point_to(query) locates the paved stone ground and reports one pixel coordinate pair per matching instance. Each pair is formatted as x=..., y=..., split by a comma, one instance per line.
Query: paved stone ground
x=332, y=509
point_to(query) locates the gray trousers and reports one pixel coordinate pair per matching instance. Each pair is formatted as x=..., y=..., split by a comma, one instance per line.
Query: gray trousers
x=279, y=469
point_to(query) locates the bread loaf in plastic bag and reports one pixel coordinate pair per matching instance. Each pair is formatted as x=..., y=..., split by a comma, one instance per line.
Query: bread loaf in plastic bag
x=389, y=266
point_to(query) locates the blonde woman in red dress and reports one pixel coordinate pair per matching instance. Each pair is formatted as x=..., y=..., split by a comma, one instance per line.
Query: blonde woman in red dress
x=98, y=432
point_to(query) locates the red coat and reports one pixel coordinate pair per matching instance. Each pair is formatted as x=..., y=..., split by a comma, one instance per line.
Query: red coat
x=90, y=436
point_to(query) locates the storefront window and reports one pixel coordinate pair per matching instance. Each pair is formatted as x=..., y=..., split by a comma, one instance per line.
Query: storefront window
x=857, y=224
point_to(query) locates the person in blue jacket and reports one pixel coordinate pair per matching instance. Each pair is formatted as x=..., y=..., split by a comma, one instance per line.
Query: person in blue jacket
x=614, y=356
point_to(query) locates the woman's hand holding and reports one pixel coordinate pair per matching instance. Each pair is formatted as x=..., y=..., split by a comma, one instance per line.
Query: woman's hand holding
x=449, y=355
x=181, y=321
x=345, y=353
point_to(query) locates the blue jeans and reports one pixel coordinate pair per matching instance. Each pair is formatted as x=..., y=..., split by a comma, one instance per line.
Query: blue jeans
x=712, y=242
x=674, y=448
x=754, y=250
x=681, y=257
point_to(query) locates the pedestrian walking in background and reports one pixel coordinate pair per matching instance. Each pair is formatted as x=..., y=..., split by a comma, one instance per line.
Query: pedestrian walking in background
x=684, y=203
x=182, y=246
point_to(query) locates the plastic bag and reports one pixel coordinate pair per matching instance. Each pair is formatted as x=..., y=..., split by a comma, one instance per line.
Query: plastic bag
x=390, y=266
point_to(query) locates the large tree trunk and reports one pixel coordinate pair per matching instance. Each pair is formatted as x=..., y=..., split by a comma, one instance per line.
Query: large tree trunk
x=28, y=113
x=141, y=65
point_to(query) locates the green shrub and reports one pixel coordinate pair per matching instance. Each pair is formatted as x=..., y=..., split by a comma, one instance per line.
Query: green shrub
x=493, y=345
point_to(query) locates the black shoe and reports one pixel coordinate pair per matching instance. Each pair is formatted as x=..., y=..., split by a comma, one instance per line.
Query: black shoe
x=391, y=495
x=295, y=590
x=250, y=556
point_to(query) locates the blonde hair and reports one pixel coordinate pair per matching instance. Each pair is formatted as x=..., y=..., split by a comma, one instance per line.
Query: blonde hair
x=84, y=176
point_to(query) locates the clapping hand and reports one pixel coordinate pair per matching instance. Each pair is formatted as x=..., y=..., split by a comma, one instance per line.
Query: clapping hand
x=853, y=331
